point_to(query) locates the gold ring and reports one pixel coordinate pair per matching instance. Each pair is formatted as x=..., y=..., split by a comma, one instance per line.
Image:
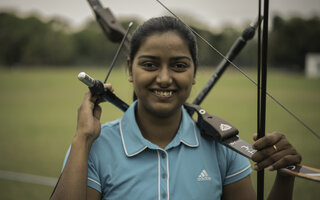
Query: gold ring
x=275, y=147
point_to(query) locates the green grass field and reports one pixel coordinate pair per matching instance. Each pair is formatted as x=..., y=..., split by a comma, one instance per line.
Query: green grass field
x=39, y=110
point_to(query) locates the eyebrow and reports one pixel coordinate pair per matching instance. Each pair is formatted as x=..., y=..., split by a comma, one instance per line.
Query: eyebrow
x=173, y=58
x=148, y=56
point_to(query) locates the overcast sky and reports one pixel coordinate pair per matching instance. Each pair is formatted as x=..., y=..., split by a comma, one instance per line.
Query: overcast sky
x=212, y=12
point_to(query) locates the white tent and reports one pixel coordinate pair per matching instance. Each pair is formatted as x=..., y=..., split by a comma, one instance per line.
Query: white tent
x=312, y=65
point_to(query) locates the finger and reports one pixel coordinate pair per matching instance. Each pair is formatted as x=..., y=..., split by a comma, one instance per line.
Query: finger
x=285, y=161
x=267, y=141
x=98, y=99
x=255, y=136
x=262, y=154
x=269, y=161
x=109, y=86
x=87, y=97
x=97, y=112
x=87, y=104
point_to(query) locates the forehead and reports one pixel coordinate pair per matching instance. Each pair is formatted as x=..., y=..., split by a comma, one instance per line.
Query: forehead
x=165, y=43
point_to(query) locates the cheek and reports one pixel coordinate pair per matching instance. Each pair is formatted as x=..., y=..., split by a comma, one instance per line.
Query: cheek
x=135, y=74
x=186, y=82
x=140, y=79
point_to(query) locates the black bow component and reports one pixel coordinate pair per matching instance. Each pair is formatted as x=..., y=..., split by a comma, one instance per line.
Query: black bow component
x=212, y=125
x=97, y=89
x=235, y=49
x=110, y=26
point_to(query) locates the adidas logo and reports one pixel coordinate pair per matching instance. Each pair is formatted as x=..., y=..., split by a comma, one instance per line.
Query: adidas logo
x=204, y=176
x=225, y=127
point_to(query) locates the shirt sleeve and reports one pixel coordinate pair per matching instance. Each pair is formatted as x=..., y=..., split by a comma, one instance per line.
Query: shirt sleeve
x=93, y=175
x=238, y=167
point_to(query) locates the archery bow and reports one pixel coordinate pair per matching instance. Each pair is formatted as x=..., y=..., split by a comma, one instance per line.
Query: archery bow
x=297, y=170
x=208, y=123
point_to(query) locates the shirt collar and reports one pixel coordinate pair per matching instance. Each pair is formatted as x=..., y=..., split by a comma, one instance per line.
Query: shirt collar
x=133, y=142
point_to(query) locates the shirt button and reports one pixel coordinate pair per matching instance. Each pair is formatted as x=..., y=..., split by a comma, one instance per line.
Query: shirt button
x=164, y=195
x=163, y=155
x=164, y=175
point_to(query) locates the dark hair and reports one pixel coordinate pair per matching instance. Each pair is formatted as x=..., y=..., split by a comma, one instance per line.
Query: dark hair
x=161, y=25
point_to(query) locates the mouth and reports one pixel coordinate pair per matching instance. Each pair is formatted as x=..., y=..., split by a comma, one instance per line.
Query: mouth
x=163, y=93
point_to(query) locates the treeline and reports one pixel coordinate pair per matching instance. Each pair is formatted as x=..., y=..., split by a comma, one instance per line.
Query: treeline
x=30, y=41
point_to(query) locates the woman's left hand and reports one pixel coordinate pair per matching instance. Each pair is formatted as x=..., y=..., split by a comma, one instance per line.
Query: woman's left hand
x=274, y=151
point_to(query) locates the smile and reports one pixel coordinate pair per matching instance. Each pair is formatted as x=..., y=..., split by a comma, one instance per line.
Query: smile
x=163, y=93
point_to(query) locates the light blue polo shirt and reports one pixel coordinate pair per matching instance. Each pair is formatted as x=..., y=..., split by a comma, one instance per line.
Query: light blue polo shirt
x=124, y=165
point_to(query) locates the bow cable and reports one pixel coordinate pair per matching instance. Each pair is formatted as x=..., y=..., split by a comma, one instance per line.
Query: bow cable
x=118, y=51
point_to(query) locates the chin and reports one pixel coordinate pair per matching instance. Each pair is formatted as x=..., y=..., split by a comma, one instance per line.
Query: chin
x=163, y=114
x=163, y=110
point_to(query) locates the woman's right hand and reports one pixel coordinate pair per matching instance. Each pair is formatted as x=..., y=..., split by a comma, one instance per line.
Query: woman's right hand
x=72, y=183
x=89, y=113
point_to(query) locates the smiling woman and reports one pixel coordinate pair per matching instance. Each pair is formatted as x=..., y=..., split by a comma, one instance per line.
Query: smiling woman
x=162, y=73
x=156, y=150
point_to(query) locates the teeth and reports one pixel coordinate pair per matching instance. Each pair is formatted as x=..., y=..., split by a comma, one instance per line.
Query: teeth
x=164, y=93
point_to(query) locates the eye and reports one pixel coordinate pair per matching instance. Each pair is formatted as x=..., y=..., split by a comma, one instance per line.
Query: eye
x=150, y=66
x=180, y=67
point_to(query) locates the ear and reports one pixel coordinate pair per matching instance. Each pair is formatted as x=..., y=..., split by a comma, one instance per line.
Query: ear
x=194, y=76
x=129, y=64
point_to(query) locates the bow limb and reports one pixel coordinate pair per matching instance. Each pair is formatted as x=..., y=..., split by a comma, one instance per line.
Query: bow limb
x=110, y=26
x=235, y=49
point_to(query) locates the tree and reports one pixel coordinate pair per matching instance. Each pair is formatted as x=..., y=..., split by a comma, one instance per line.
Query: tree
x=292, y=39
x=29, y=41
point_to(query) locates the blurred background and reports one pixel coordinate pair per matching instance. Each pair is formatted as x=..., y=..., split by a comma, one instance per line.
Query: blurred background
x=45, y=44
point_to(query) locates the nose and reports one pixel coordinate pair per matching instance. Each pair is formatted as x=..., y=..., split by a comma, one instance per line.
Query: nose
x=164, y=78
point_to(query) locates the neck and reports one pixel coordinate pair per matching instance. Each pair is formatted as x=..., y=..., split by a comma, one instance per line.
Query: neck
x=158, y=129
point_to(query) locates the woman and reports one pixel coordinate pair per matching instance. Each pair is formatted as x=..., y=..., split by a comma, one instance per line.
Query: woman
x=155, y=151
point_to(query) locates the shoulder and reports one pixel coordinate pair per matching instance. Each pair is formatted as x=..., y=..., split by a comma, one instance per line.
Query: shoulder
x=110, y=130
x=111, y=126
x=108, y=139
